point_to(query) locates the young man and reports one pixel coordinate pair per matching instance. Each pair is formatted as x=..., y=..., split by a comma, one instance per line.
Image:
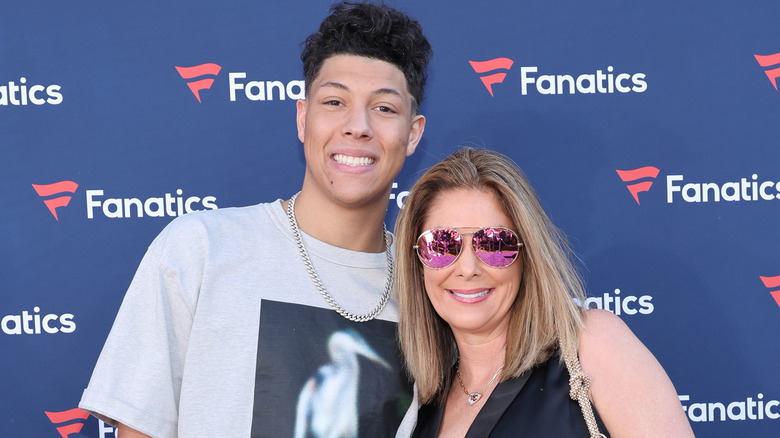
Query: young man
x=228, y=328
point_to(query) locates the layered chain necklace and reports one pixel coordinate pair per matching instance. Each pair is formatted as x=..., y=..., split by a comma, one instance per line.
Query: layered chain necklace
x=475, y=396
x=321, y=287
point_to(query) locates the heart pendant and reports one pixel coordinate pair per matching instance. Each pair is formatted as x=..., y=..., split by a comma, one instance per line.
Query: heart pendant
x=474, y=397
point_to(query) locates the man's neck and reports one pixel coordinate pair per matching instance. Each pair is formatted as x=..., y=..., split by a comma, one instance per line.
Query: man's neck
x=353, y=228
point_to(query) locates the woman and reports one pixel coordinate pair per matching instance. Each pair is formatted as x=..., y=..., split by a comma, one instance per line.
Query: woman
x=489, y=323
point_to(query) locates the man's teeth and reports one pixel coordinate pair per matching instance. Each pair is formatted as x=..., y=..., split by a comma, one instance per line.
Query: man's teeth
x=353, y=161
x=475, y=295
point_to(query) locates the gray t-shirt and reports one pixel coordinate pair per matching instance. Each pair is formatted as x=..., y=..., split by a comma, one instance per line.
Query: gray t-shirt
x=222, y=333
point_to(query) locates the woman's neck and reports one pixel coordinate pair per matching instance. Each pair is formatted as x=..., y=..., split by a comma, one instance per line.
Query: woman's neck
x=480, y=356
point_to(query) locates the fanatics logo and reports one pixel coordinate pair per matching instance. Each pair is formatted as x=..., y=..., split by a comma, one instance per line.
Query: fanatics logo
x=201, y=77
x=773, y=283
x=769, y=61
x=490, y=66
x=60, y=191
x=68, y=422
x=640, y=180
x=25, y=93
x=196, y=71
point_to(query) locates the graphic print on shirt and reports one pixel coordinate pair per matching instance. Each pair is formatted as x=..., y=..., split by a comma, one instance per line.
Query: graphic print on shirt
x=319, y=375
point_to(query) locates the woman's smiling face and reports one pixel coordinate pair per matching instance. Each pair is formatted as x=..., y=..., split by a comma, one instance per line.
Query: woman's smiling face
x=472, y=297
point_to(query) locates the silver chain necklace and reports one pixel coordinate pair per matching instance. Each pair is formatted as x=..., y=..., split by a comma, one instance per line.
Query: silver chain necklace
x=318, y=283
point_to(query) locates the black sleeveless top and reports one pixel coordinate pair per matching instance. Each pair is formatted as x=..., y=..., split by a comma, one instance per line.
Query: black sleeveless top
x=534, y=405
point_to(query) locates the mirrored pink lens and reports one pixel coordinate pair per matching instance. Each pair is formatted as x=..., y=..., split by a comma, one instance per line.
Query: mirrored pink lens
x=437, y=249
x=497, y=247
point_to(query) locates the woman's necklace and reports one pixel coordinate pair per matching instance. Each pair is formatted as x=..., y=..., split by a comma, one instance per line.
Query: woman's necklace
x=475, y=396
x=318, y=283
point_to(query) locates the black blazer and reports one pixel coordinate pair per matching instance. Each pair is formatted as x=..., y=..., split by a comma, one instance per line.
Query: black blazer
x=534, y=405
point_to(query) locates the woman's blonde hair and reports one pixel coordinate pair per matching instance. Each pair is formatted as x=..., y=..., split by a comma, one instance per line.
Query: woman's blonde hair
x=545, y=315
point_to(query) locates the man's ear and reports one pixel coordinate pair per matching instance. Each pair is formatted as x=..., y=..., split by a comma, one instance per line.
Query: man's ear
x=300, y=117
x=415, y=134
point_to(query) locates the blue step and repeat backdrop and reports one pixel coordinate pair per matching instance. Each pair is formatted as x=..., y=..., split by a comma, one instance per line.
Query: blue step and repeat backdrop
x=649, y=129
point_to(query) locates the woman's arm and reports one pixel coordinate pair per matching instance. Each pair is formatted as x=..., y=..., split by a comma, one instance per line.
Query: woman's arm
x=629, y=388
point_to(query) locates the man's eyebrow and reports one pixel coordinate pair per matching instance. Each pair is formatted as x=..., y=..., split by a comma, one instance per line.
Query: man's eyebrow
x=392, y=91
x=335, y=84
x=379, y=91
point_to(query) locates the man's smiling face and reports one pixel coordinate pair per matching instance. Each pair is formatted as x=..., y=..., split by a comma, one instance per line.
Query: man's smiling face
x=357, y=128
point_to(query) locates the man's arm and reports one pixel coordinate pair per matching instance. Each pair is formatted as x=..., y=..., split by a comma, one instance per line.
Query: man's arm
x=137, y=377
x=126, y=432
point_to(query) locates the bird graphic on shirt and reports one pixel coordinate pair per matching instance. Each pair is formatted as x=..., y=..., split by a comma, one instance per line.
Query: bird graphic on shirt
x=327, y=403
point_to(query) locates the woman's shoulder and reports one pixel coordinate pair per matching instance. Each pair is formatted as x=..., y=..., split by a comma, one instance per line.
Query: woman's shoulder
x=604, y=331
x=609, y=350
x=629, y=387
x=607, y=346
x=602, y=319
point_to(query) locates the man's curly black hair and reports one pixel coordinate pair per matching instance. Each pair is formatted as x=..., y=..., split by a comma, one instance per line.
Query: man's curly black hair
x=374, y=31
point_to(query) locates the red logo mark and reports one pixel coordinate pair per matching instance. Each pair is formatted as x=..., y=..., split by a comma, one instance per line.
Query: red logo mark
x=59, y=418
x=62, y=200
x=773, y=283
x=199, y=70
x=767, y=61
x=630, y=176
x=489, y=66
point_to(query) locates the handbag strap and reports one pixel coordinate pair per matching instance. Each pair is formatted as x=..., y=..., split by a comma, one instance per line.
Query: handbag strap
x=579, y=384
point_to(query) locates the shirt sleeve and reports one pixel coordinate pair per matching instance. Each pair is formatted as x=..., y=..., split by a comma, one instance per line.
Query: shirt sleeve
x=409, y=421
x=137, y=378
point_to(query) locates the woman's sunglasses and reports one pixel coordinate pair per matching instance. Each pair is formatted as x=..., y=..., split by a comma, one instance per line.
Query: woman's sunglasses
x=438, y=248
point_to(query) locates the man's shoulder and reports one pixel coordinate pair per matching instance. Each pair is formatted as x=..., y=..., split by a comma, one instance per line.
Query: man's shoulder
x=222, y=218
x=224, y=224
